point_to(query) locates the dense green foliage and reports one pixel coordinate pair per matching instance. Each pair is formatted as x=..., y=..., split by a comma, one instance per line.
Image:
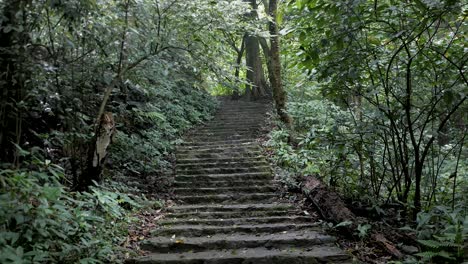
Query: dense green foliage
x=145, y=65
x=385, y=97
x=378, y=94
x=42, y=222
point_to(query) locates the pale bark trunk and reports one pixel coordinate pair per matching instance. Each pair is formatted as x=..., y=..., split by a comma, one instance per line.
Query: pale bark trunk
x=279, y=94
x=256, y=87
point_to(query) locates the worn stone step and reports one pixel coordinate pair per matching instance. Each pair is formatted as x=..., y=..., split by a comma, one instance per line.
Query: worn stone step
x=205, y=230
x=228, y=126
x=234, y=113
x=237, y=241
x=229, y=198
x=234, y=214
x=235, y=220
x=219, y=150
x=318, y=254
x=220, y=159
x=219, y=142
x=223, y=137
x=231, y=207
x=218, y=145
x=219, y=155
x=222, y=127
x=222, y=133
x=238, y=115
x=242, y=164
x=225, y=190
x=223, y=170
x=221, y=184
x=225, y=177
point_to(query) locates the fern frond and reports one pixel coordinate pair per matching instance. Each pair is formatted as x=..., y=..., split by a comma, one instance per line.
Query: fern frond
x=431, y=243
x=430, y=255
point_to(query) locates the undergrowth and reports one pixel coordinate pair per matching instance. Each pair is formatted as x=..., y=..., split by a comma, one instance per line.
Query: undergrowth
x=41, y=221
x=326, y=143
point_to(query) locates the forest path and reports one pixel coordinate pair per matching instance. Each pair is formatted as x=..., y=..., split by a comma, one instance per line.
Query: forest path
x=229, y=211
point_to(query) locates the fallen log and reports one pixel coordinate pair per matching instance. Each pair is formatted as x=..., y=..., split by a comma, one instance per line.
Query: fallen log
x=329, y=203
x=333, y=209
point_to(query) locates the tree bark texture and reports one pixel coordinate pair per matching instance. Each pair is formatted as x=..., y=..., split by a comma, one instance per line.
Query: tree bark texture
x=97, y=152
x=279, y=94
x=256, y=87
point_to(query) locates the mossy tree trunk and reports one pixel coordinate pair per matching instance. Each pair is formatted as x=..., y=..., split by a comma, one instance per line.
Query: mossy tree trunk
x=279, y=94
x=256, y=87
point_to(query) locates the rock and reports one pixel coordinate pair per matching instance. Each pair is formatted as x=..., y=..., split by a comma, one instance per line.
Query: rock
x=409, y=249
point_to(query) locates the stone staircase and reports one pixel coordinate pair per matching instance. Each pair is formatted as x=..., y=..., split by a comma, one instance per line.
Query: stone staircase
x=228, y=210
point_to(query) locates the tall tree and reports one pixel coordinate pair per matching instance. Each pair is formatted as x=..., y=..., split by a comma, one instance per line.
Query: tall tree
x=274, y=62
x=256, y=87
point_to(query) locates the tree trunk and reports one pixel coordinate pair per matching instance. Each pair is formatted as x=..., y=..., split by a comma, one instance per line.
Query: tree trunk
x=97, y=152
x=256, y=87
x=279, y=94
x=240, y=54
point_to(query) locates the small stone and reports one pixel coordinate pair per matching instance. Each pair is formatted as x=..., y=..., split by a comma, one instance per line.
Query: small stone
x=409, y=249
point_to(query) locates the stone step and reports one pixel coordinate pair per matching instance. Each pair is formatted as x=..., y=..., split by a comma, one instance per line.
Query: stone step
x=238, y=115
x=220, y=142
x=318, y=254
x=244, y=105
x=242, y=111
x=223, y=128
x=212, y=160
x=214, y=138
x=236, y=220
x=215, y=125
x=222, y=133
x=219, y=155
x=237, y=241
x=225, y=177
x=253, y=110
x=232, y=214
x=206, y=230
x=220, y=149
x=225, y=190
x=229, y=198
x=222, y=170
x=246, y=164
x=226, y=125
x=231, y=207
x=220, y=184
